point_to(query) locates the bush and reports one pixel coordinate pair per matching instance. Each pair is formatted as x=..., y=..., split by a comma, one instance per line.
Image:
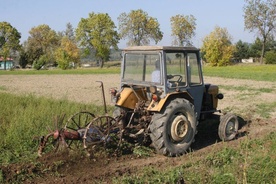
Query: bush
x=39, y=63
x=270, y=57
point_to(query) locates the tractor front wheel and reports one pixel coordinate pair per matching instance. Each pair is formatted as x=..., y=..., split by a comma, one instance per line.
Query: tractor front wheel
x=228, y=127
x=174, y=128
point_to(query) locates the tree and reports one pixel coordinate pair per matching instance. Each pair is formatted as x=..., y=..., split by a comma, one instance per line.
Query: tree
x=23, y=59
x=270, y=44
x=42, y=42
x=98, y=32
x=241, y=51
x=67, y=53
x=256, y=48
x=260, y=16
x=139, y=28
x=9, y=40
x=183, y=29
x=69, y=32
x=217, y=47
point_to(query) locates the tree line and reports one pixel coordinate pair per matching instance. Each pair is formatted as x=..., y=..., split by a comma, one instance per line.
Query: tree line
x=98, y=35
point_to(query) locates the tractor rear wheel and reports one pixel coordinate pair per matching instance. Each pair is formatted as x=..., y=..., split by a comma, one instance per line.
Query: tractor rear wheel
x=228, y=127
x=174, y=128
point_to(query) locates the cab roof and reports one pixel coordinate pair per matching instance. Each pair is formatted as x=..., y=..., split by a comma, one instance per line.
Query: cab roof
x=156, y=48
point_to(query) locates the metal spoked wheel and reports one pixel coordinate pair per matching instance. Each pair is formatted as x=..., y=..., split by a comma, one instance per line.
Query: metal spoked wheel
x=101, y=130
x=57, y=141
x=76, y=125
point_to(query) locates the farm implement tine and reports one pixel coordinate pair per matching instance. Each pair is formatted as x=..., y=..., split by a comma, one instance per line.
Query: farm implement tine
x=102, y=86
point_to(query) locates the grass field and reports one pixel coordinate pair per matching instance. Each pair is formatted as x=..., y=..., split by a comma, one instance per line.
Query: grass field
x=249, y=160
x=241, y=71
x=245, y=71
x=24, y=119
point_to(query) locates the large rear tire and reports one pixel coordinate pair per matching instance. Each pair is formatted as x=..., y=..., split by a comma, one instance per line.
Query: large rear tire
x=174, y=128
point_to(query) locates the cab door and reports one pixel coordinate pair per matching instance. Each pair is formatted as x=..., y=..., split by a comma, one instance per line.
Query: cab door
x=195, y=80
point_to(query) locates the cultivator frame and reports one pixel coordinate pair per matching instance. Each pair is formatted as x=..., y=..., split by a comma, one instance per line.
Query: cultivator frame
x=83, y=127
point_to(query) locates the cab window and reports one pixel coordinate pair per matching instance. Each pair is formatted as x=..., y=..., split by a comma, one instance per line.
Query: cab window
x=194, y=69
x=176, y=69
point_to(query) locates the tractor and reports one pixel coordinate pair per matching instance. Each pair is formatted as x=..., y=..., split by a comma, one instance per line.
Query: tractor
x=161, y=100
x=163, y=97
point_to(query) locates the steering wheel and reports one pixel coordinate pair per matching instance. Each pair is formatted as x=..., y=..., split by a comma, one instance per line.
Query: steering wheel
x=172, y=76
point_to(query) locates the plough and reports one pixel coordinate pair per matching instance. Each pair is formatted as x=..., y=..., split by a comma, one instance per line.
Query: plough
x=83, y=128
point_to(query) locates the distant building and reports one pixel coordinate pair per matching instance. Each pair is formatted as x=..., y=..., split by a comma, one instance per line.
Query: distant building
x=250, y=60
x=9, y=63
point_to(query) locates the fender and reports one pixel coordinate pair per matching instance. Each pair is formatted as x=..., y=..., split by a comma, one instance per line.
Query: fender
x=157, y=106
x=128, y=98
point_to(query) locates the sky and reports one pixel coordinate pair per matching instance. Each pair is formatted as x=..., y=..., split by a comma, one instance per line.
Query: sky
x=26, y=14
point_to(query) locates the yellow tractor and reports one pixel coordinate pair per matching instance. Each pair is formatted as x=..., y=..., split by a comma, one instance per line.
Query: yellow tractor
x=161, y=101
x=163, y=97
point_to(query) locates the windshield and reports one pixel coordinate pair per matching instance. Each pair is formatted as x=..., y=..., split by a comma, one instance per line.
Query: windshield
x=142, y=67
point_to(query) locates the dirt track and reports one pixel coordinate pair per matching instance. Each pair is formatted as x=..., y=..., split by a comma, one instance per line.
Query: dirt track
x=241, y=97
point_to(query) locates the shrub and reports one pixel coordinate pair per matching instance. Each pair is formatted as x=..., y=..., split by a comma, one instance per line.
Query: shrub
x=39, y=63
x=270, y=57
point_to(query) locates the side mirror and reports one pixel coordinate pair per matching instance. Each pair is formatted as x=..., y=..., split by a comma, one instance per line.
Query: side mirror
x=220, y=96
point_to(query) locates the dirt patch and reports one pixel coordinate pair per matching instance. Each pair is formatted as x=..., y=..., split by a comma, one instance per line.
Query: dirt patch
x=240, y=96
x=242, y=99
x=78, y=88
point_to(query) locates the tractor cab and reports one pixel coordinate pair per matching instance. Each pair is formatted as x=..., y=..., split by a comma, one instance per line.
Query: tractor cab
x=157, y=74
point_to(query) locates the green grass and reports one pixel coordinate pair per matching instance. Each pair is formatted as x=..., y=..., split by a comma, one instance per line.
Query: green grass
x=247, y=88
x=241, y=71
x=105, y=70
x=26, y=118
x=250, y=71
x=252, y=161
x=3, y=88
x=264, y=109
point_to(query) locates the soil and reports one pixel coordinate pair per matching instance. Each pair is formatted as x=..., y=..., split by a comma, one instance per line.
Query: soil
x=240, y=96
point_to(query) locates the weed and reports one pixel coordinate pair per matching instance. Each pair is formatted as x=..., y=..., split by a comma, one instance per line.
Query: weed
x=1, y=177
x=25, y=117
x=142, y=151
x=243, y=164
x=264, y=109
x=226, y=178
x=222, y=158
x=3, y=88
x=247, y=88
x=266, y=90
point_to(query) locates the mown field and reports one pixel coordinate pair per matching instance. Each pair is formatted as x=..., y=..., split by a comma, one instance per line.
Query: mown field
x=242, y=71
x=251, y=158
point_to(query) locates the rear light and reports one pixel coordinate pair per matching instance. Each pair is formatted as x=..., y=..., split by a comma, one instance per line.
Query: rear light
x=113, y=91
x=114, y=95
x=155, y=97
